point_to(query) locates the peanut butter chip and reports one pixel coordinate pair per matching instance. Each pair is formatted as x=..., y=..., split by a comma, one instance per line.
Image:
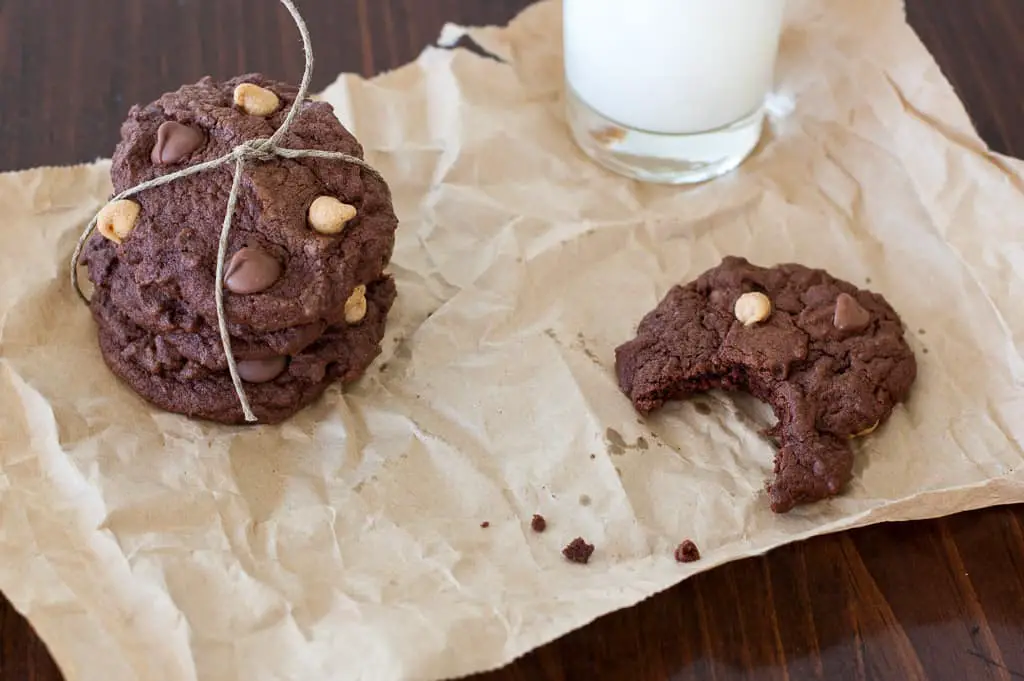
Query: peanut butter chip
x=117, y=219
x=752, y=308
x=355, y=306
x=328, y=215
x=255, y=100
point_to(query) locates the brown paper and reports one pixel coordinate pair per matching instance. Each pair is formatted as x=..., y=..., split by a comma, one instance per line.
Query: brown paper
x=346, y=543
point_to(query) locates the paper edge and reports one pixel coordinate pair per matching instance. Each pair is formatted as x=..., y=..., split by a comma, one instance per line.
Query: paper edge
x=63, y=168
x=864, y=519
x=1012, y=482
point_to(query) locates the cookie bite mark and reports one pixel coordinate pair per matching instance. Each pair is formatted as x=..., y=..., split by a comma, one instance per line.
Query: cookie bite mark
x=174, y=142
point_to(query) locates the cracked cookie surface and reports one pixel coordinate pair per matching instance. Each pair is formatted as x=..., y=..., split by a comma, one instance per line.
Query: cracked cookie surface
x=829, y=358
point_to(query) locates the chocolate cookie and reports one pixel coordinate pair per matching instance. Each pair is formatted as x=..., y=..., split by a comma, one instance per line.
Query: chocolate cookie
x=277, y=386
x=305, y=293
x=828, y=357
x=284, y=272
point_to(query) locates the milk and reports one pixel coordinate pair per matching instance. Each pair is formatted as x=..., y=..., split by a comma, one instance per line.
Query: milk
x=672, y=66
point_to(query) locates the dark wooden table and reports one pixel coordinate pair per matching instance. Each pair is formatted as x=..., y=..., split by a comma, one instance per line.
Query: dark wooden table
x=928, y=600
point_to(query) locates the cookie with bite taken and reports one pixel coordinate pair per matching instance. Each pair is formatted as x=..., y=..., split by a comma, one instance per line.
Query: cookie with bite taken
x=830, y=359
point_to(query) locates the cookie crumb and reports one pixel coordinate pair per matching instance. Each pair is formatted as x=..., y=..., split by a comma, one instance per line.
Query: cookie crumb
x=578, y=551
x=687, y=552
x=485, y=524
x=538, y=524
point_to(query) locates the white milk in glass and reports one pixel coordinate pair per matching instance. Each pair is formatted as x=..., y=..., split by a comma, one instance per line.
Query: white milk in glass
x=669, y=90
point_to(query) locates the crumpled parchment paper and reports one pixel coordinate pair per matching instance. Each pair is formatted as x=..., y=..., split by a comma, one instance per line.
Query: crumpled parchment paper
x=346, y=543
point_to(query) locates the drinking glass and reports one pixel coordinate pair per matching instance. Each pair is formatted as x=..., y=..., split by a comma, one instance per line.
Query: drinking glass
x=669, y=91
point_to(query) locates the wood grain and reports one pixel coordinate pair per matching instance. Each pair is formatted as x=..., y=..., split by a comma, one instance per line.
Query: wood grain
x=930, y=600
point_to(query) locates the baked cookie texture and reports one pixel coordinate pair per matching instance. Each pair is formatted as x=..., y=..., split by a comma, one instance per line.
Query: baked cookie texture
x=830, y=359
x=306, y=301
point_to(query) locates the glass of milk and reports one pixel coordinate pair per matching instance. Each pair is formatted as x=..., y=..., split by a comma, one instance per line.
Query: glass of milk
x=669, y=91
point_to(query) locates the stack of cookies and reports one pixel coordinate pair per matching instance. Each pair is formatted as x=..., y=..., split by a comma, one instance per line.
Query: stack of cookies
x=305, y=293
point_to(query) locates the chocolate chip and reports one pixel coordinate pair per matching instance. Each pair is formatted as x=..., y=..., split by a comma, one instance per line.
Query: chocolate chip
x=538, y=524
x=687, y=552
x=174, y=142
x=850, y=316
x=251, y=270
x=261, y=370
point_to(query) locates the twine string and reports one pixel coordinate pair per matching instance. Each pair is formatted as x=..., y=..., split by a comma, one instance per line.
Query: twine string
x=256, y=150
x=218, y=292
